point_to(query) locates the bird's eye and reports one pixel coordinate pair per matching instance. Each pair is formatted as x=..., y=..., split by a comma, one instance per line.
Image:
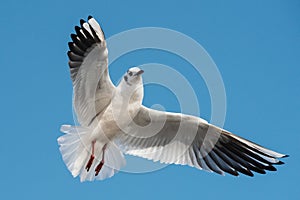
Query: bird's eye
x=130, y=73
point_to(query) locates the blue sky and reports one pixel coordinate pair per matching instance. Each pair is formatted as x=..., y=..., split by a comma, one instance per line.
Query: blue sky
x=255, y=44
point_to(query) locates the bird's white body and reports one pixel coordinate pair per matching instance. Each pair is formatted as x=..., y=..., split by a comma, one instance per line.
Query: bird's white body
x=113, y=121
x=124, y=105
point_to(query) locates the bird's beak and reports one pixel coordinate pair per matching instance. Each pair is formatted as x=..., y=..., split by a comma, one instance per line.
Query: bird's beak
x=139, y=72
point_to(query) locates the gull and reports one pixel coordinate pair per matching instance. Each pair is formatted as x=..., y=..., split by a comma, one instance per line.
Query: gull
x=113, y=122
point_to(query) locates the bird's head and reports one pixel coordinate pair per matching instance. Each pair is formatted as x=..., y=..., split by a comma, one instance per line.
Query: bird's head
x=133, y=76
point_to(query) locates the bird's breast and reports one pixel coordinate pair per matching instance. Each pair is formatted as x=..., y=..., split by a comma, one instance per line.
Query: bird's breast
x=116, y=118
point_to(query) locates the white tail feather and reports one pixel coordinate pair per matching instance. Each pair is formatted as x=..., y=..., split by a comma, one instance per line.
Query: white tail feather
x=75, y=149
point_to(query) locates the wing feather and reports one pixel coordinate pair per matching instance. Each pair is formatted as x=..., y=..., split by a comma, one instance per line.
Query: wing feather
x=88, y=62
x=188, y=140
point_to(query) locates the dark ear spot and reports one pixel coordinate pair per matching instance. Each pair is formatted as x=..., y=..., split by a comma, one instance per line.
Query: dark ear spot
x=125, y=78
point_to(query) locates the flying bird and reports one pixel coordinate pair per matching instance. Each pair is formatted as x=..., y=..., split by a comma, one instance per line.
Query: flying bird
x=113, y=122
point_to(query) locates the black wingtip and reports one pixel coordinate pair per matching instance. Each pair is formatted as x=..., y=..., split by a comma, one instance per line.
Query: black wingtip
x=70, y=44
x=270, y=168
x=90, y=17
x=82, y=22
x=285, y=156
x=77, y=28
x=279, y=163
x=234, y=173
x=73, y=36
x=248, y=173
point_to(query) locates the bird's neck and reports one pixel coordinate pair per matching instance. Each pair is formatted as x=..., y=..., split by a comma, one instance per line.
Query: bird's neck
x=131, y=93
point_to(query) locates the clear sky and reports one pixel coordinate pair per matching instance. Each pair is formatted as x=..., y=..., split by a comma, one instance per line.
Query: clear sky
x=255, y=44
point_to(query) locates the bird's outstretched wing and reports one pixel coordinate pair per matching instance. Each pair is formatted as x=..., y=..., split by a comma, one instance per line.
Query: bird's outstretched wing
x=187, y=140
x=88, y=62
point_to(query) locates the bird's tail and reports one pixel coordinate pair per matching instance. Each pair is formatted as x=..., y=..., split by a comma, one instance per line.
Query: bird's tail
x=75, y=149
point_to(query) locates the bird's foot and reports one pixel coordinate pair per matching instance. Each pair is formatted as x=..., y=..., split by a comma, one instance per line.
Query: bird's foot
x=90, y=162
x=99, y=167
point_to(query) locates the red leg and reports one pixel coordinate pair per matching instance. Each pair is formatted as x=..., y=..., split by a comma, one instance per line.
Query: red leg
x=100, y=165
x=90, y=162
